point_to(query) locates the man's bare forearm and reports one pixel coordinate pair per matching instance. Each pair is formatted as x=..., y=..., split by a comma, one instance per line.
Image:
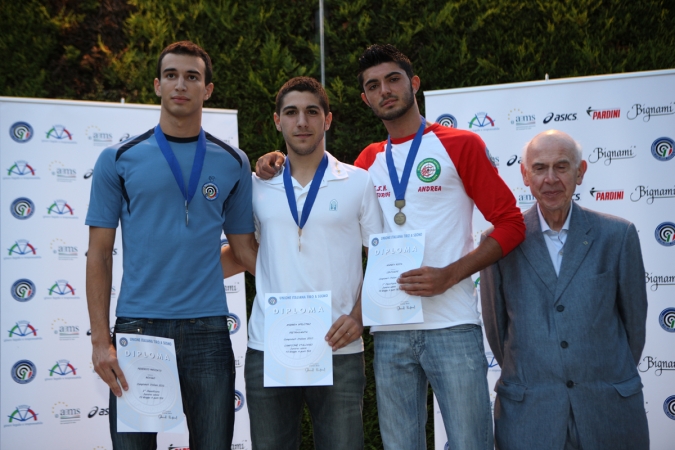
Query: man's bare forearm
x=244, y=249
x=99, y=284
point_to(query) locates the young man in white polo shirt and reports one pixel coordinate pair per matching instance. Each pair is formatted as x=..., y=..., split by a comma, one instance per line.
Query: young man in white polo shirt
x=325, y=256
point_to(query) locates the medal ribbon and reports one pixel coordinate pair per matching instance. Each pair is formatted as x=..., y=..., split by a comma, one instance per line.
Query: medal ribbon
x=189, y=190
x=400, y=187
x=311, y=195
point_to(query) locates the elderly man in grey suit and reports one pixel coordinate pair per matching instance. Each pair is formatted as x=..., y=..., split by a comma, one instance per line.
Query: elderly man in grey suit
x=565, y=317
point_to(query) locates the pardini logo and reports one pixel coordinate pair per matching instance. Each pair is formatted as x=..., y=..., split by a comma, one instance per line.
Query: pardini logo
x=23, y=290
x=662, y=149
x=600, y=153
x=23, y=371
x=447, y=120
x=21, y=132
x=238, y=400
x=667, y=320
x=606, y=113
x=233, y=323
x=651, y=194
x=651, y=362
x=606, y=195
x=22, y=208
x=565, y=117
x=659, y=280
x=665, y=234
x=647, y=112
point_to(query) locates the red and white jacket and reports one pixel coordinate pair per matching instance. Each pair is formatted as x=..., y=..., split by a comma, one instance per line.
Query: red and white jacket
x=451, y=173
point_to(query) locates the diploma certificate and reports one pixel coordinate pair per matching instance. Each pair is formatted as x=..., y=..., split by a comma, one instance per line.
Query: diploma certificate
x=389, y=255
x=153, y=402
x=296, y=351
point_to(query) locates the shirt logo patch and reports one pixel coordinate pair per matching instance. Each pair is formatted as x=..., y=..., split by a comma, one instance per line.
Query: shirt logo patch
x=210, y=191
x=333, y=205
x=428, y=170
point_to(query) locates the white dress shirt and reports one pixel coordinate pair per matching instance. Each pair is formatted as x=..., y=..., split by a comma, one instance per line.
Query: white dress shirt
x=555, y=240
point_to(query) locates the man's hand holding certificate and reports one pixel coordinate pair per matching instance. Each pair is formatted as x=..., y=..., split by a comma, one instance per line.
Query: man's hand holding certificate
x=390, y=255
x=296, y=353
x=153, y=402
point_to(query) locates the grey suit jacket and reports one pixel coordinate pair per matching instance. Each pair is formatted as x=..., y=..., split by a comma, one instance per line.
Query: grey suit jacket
x=570, y=342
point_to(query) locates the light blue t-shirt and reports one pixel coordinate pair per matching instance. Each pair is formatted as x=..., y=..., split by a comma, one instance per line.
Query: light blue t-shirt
x=171, y=271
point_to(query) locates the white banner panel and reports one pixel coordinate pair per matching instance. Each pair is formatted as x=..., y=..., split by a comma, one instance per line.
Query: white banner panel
x=626, y=126
x=50, y=393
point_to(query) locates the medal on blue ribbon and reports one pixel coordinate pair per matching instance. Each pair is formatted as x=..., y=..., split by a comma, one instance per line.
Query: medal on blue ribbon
x=188, y=191
x=400, y=187
x=311, y=195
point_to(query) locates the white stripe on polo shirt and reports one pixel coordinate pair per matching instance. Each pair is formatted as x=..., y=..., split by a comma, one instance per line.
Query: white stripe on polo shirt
x=344, y=215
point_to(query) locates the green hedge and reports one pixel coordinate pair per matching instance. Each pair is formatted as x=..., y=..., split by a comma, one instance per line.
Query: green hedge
x=90, y=50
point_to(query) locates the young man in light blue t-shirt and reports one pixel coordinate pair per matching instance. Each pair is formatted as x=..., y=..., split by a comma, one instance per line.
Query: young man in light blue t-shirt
x=173, y=189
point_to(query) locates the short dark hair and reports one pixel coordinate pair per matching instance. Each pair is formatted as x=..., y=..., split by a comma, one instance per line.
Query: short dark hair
x=303, y=84
x=377, y=54
x=187, y=48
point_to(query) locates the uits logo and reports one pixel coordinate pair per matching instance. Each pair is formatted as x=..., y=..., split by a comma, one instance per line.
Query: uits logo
x=60, y=208
x=23, y=290
x=669, y=407
x=481, y=120
x=665, y=234
x=22, y=208
x=21, y=132
x=667, y=320
x=238, y=400
x=23, y=413
x=22, y=247
x=62, y=368
x=23, y=371
x=60, y=133
x=607, y=113
x=447, y=120
x=61, y=288
x=233, y=322
x=21, y=169
x=22, y=328
x=606, y=195
x=662, y=149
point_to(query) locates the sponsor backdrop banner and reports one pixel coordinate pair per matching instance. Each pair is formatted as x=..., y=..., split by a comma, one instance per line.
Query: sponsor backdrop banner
x=50, y=392
x=626, y=126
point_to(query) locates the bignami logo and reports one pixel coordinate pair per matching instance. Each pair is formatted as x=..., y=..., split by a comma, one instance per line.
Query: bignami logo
x=21, y=132
x=647, y=112
x=662, y=149
x=665, y=234
x=22, y=208
x=651, y=362
x=659, y=280
x=667, y=320
x=602, y=153
x=651, y=194
x=428, y=170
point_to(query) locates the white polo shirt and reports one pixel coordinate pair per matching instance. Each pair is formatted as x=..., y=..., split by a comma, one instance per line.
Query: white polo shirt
x=344, y=215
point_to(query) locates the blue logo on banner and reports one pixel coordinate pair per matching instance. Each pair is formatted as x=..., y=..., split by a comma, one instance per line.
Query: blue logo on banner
x=447, y=120
x=21, y=132
x=662, y=149
x=23, y=371
x=233, y=323
x=238, y=400
x=22, y=208
x=23, y=290
x=669, y=407
x=667, y=320
x=665, y=234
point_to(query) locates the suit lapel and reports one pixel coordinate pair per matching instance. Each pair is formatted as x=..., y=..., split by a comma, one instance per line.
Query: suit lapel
x=535, y=250
x=579, y=241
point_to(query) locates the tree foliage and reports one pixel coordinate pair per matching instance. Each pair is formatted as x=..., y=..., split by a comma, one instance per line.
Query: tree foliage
x=106, y=50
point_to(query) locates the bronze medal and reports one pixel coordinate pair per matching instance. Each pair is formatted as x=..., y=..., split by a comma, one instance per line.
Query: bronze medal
x=399, y=218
